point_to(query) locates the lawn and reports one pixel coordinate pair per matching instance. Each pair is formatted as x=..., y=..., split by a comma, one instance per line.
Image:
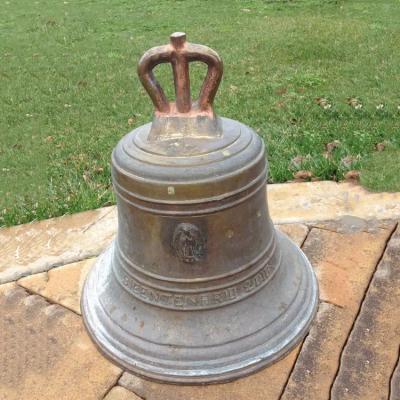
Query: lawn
x=69, y=89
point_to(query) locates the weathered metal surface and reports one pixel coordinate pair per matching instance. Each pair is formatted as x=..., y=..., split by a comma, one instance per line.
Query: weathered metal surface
x=198, y=286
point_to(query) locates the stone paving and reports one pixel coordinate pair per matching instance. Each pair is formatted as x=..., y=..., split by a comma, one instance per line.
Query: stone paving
x=352, y=351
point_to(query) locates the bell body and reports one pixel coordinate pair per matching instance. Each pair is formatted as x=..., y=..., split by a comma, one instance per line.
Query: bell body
x=197, y=287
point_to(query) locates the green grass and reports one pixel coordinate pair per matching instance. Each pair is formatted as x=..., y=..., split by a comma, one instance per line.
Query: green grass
x=380, y=171
x=68, y=87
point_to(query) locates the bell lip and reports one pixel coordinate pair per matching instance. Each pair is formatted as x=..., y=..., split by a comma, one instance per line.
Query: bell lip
x=231, y=372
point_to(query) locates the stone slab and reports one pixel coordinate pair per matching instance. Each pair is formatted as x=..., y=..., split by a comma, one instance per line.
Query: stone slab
x=349, y=223
x=62, y=285
x=344, y=263
x=120, y=393
x=45, y=352
x=39, y=246
x=7, y=287
x=319, y=357
x=395, y=382
x=264, y=385
x=371, y=352
x=296, y=232
x=327, y=200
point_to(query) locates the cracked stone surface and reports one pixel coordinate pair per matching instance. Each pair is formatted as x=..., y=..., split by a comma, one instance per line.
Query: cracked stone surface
x=61, y=285
x=351, y=352
x=345, y=264
x=45, y=352
x=120, y=393
x=371, y=352
x=395, y=382
x=297, y=232
x=315, y=367
x=326, y=200
x=40, y=246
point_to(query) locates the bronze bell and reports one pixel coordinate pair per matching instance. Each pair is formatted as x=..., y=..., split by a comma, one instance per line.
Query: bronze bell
x=198, y=286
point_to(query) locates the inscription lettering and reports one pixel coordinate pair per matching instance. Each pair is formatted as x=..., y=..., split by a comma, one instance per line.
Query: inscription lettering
x=198, y=301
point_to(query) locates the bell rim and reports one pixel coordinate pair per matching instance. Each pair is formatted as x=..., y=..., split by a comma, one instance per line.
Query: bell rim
x=209, y=375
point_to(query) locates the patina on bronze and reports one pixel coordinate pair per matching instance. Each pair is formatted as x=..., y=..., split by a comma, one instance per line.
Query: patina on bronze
x=198, y=286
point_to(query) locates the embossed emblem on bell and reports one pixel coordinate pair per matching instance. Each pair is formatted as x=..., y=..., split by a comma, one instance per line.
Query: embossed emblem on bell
x=198, y=286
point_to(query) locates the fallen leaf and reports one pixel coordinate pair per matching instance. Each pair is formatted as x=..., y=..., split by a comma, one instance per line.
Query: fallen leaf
x=332, y=146
x=348, y=161
x=352, y=175
x=303, y=174
x=297, y=161
x=380, y=146
x=324, y=103
x=354, y=102
x=281, y=91
x=327, y=155
x=85, y=177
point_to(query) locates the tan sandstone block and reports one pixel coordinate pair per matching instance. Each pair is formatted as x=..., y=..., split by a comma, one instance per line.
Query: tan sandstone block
x=319, y=357
x=395, y=382
x=62, y=285
x=7, y=287
x=264, y=385
x=349, y=223
x=46, y=354
x=327, y=200
x=39, y=246
x=371, y=352
x=344, y=262
x=296, y=232
x=120, y=393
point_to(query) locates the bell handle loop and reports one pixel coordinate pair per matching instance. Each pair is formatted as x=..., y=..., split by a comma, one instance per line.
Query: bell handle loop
x=179, y=53
x=215, y=68
x=149, y=60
